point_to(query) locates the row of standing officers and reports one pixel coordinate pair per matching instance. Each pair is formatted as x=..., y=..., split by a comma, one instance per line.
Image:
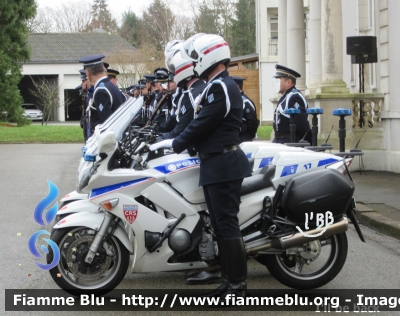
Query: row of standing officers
x=101, y=97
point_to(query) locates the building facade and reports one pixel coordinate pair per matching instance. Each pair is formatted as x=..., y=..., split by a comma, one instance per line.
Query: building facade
x=310, y=37
x=56, y=56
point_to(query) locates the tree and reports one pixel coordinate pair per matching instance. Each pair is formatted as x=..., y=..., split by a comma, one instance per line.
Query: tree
x=69, y=17
x=147, y=58
x=157, y=24
x=183, y=27
x=14, y=50
x=124, y=60
x=129, y=29
x=42, y=22
x=206, y=19
x=102, y=17
x=244, y=29
x=46, y=90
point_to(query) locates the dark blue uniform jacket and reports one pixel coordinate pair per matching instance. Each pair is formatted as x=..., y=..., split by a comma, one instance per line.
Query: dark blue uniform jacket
x=104, y=104
x=217, y=126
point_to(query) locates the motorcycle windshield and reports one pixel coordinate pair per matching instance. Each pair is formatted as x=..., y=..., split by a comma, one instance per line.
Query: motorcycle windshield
x=120, y=119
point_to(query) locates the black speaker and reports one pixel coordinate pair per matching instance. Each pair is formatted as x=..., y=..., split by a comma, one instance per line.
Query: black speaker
x=361, y=45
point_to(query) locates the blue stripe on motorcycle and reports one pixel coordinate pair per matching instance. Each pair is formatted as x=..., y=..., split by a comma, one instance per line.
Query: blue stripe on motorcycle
x=327, y=162
x=100, y=191
x=266, y=161
x=248, y=155
x=178, y=165
x=289, y=170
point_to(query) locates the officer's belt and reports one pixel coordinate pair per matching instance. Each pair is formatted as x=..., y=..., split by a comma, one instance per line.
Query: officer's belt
x=282, y=135
x=227, y=149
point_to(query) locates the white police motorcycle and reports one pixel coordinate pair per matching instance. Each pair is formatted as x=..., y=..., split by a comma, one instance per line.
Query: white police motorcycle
x=293, y=215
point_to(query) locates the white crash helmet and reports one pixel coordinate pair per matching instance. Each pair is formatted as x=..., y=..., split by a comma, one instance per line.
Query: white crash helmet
x=173, y=45
x=206, y=50
x=170, y=50
x=182, y=68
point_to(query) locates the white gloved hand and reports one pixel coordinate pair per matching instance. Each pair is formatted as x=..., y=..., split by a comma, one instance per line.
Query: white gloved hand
x=167, y=143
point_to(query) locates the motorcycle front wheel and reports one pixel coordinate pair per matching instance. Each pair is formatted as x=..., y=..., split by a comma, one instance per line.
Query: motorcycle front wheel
x=310, y=265
x=77, y=277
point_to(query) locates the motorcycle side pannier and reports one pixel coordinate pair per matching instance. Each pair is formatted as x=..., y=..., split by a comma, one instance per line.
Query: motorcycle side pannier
x=318, y=192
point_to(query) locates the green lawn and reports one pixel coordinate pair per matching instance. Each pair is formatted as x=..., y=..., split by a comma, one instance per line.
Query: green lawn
x=64, y=134
x=264, y=132
x=40, y=134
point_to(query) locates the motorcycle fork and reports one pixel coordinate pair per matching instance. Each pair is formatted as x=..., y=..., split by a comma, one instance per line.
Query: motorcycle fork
x=99, y=237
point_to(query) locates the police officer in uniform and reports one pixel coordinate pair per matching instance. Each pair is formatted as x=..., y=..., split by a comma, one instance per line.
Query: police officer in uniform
x=106, y=96
x=249, y=121
x=215, y=135
x=135, y=91
x=162, y=82
x=190, y=87
x=112, y=76
x=149, y=91
x=291, y=98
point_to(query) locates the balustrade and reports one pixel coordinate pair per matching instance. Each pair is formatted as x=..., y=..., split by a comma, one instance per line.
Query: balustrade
x=366, y=112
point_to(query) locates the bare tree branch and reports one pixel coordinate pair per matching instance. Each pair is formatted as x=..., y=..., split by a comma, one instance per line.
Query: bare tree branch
x=68, y=17
x=42, y=22
x=46, y=90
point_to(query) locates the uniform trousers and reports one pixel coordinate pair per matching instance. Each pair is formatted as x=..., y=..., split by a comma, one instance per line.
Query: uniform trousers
x=223, y=201
x=281, y=140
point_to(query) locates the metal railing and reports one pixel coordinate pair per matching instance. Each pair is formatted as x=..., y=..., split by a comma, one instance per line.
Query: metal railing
x=273, y=47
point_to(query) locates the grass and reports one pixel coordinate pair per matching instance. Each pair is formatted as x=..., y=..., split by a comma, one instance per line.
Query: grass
x=264, y=132
x=64, y=134
x=40, y=134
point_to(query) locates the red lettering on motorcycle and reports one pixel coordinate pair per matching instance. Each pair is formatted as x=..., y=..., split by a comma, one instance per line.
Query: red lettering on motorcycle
x=130, y=213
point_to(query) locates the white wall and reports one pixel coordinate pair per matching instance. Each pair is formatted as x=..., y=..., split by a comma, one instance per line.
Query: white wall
x=267, y=90
x=68, y=78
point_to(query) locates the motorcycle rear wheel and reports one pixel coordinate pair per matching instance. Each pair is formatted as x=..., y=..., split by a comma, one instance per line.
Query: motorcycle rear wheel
x=296, y=272
x=75, y=276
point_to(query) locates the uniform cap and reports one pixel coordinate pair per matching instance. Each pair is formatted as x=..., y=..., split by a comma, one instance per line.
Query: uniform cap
x=282, y=71
x=91, y=60
x=162, y=74
x=112, y=72
x=149, y=78
x=106, y=65
x=83, y=74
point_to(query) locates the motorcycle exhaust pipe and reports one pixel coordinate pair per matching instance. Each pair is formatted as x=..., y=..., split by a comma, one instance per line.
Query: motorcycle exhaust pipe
x=297, y=239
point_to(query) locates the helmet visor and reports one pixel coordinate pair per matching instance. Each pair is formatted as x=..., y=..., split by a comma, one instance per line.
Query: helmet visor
x=168, y=61
x=189, y=50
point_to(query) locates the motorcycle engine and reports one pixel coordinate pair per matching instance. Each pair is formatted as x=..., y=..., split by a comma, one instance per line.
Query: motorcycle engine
x=180, y=240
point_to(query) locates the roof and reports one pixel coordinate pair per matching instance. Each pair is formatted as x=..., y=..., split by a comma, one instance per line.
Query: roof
x=245, y=58
x=70, y=47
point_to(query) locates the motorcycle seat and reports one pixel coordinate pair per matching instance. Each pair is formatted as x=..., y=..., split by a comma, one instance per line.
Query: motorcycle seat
x=259, y=181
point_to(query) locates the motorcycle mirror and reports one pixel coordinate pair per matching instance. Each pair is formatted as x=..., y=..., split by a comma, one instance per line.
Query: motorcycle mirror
x=107, y=141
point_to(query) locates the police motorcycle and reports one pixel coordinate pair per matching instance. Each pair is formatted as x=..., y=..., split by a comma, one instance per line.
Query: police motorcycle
x=148, y=204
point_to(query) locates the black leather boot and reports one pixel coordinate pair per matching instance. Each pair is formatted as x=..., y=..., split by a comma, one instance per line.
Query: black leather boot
x=204, y=277
x=236, y=259
x=224, y=272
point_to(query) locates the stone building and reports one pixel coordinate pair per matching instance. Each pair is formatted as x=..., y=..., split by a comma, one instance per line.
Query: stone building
x=310, y=37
